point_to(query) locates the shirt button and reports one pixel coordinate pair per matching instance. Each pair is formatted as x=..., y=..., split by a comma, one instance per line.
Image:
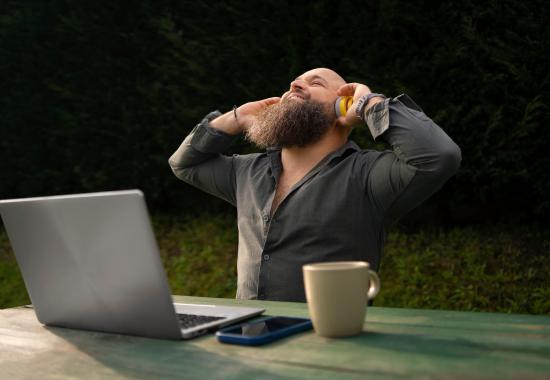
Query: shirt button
x=266, y=218
x=266, y=257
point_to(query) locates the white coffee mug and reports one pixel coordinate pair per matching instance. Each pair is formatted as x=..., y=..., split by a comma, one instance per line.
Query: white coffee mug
x=337, y=295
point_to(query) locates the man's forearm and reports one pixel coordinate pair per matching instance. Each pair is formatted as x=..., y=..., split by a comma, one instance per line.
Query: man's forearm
x=199, y=160
x=227, y=123
x=372, y=102
x=202, y=143
x=423, y=158
x=413, y=136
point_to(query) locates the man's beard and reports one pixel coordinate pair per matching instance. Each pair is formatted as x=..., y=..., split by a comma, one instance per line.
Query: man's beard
x=290, y=123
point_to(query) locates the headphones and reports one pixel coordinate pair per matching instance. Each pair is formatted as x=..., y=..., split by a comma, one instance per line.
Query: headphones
x=342, y=105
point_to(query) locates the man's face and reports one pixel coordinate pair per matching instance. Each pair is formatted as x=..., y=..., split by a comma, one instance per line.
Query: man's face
x=317, y=84
x=304, y=114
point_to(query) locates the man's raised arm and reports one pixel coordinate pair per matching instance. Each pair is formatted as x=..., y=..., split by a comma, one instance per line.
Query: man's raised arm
x=199, y=160
x=422, y=159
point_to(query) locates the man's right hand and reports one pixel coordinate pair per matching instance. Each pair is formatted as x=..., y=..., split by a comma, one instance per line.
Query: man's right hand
x=246, y=116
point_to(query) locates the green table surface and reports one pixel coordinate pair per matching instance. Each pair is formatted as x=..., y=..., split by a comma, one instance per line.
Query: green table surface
x=396, y=343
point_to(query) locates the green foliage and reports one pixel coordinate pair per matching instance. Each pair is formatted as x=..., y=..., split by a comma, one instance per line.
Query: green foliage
x=483, y=269
x=12, y=288
x=468, y=269
x=199, y=255
x=96, y=95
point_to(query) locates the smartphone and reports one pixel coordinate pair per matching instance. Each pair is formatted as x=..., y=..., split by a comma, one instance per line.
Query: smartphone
x=263, y=331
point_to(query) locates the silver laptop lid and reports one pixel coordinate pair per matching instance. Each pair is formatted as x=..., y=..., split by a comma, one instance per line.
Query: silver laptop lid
x=90, y=261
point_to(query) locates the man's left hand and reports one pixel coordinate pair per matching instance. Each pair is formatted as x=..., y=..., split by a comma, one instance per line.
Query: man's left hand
x=357, y=90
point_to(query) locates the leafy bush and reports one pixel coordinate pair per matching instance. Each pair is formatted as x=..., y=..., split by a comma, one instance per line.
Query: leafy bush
x=12, y=288
x=98, y=94
x=475, y=269
x=199, y=255
x=485, y=269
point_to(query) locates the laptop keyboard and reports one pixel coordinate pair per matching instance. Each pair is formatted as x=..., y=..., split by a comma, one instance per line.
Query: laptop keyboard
x=192, y=320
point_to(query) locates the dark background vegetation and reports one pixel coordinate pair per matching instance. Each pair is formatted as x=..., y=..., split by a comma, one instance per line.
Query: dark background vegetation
x=96, y=95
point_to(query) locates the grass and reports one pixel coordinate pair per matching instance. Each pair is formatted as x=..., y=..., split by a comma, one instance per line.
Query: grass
x=476, y=269
x=12, y=289
x=487, y=269
x=199, y=255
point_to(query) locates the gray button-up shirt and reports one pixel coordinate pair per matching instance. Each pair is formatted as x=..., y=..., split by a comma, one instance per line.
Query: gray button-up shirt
x=340, y=210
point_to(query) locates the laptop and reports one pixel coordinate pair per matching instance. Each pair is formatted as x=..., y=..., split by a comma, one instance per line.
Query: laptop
x=91, y=262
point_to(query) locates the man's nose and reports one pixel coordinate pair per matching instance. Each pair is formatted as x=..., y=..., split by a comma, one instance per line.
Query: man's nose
x=297, y=84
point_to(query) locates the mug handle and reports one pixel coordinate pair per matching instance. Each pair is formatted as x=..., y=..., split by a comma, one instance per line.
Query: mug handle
x=374, y=287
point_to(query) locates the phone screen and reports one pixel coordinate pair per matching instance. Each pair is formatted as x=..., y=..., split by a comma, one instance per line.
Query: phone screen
x=265, y=327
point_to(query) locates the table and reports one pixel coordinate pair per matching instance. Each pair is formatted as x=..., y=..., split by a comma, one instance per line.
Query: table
x=396, y=344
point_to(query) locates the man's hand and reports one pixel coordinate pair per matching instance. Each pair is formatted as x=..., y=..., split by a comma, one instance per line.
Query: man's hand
x=248, y=112
x=246, y=116
x=356, y=90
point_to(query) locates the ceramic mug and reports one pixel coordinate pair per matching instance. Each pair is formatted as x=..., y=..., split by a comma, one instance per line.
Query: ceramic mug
x=337, y=295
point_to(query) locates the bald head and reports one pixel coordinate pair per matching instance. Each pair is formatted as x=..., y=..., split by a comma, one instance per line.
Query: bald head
x=334, y=80
x=319, y=84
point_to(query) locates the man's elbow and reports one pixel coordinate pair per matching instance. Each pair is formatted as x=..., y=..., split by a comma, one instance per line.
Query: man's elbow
x=186, y=175
x=184, y=158
x=449, y=160
x=173, y=163
x=179, y=168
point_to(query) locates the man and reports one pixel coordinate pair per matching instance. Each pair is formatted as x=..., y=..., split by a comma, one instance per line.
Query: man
x=313, y=195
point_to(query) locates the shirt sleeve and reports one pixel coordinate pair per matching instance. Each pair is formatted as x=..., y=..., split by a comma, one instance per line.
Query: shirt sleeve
x=199, y=162
x=422, y=159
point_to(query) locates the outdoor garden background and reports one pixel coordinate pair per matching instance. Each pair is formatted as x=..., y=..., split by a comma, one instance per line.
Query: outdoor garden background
x=96, y=95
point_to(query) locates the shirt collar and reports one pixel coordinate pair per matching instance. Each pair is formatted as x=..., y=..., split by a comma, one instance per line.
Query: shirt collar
x=274, y=155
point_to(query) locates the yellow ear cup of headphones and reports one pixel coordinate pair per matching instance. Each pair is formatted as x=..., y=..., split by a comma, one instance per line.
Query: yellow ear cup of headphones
x=342, y=105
